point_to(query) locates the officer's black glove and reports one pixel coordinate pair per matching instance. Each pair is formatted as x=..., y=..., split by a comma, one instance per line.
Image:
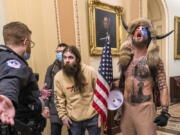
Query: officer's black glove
x=162, y=119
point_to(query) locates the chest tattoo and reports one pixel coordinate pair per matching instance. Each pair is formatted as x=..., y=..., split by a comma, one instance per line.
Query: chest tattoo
x=138, y=96
x=141, y=70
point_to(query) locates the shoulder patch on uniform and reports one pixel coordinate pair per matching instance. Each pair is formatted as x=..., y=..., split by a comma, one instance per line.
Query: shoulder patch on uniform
x=13, y=63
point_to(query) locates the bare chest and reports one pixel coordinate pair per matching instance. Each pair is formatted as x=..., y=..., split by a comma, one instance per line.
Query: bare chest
x=138, y=69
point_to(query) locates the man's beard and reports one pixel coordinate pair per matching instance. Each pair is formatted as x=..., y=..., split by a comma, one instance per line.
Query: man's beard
x=140, y=44
x=78, y=76
x=71, y=70
x=140, y=40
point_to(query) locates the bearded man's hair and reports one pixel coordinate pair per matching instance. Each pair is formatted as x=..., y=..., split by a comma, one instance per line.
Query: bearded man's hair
x=79, y=78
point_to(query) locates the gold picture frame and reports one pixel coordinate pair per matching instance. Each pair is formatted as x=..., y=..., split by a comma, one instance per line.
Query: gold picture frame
x=177, y=38
x=101, y=16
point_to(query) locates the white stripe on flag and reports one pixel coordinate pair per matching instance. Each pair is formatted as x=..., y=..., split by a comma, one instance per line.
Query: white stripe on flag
x=103, y=81
x=101, y=92
x=100, y=104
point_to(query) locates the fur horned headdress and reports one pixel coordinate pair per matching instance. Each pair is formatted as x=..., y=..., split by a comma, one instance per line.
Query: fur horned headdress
x=126, y=51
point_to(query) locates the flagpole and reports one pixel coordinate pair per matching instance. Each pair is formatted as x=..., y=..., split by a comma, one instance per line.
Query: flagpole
x=103, y=85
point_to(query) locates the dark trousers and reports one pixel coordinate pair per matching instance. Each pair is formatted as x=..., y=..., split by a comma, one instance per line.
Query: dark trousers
x=56, y=129
x=79, y=127
x=18, y=129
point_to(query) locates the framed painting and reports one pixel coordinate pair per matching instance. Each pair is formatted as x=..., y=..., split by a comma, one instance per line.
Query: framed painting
x=177, y=38
x=104, y=22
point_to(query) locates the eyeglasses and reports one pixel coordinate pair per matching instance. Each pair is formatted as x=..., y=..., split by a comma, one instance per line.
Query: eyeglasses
x=31, y=43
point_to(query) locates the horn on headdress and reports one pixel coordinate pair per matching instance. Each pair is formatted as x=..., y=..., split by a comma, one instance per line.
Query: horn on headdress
x=163, y=35
x=123, y=23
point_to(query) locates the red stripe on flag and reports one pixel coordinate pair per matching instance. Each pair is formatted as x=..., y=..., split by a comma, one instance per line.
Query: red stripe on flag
x=100, y=111
x=101, y=85
x=104, y=81
x=100, y=97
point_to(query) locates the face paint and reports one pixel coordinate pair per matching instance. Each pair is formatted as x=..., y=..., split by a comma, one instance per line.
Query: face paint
x=141, y=32
x=141, y=36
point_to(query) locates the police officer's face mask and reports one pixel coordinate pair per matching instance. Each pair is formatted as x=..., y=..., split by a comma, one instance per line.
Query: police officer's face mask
x=26, y=56
x=28, y=44
x=59, y=56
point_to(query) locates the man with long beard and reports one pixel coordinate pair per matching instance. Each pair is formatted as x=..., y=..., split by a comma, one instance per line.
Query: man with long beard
x=56, y=123
x=73, y=87
x=142, y=80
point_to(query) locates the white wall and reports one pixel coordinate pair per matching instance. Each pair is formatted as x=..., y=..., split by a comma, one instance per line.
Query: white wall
x=173, y=7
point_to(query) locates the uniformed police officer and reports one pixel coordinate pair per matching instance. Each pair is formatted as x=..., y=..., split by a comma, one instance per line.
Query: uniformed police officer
x=20, y=104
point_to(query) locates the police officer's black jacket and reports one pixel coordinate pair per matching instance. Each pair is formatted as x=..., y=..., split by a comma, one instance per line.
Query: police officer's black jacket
x=19, y=84
x=51, y=71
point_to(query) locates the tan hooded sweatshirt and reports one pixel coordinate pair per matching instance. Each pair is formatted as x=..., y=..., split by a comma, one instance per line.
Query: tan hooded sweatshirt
x=69, y=101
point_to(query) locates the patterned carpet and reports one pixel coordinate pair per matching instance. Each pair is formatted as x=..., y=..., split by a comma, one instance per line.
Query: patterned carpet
x=174, y=110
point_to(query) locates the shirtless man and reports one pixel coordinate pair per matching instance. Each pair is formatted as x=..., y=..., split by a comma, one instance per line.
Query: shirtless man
x=142, y=80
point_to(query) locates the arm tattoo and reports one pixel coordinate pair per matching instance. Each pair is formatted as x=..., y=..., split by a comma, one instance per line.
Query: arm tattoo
x=165, y=108
x=161, y=77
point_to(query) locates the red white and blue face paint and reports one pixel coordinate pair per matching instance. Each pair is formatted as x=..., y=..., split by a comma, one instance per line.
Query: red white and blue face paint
x=141, y=32
x=141, y=36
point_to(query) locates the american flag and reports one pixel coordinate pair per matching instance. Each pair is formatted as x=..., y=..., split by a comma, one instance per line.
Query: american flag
x=103, y=83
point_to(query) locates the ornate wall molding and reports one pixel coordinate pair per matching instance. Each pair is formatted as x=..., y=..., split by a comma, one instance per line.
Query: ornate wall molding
x=77, y=23
x=57, y=20
x=140, y=10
